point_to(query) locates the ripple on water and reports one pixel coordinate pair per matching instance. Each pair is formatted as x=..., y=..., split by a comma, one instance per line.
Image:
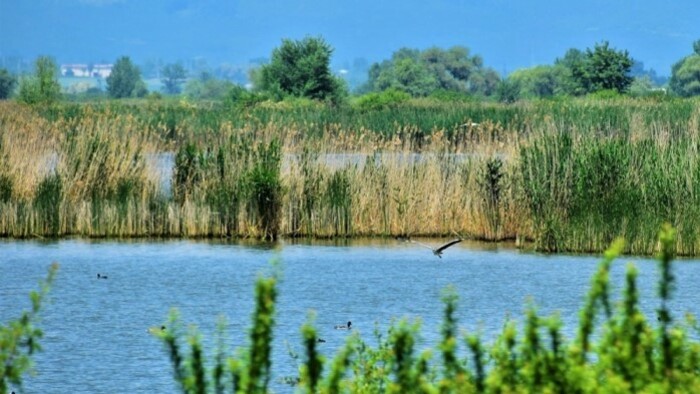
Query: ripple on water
x=95, y=330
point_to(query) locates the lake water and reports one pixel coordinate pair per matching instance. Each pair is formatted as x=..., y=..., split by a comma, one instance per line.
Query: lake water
x=95, y=330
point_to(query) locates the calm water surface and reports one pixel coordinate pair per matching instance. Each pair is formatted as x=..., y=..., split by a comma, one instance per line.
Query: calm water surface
x=95, y=330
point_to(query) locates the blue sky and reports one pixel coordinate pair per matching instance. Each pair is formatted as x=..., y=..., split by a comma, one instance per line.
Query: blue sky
x=508, y=34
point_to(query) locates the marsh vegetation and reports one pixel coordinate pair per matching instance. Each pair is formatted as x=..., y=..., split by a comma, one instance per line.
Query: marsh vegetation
x=563, y=175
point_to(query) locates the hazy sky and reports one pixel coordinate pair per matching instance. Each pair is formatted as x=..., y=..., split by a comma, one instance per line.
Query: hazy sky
x=508, y=34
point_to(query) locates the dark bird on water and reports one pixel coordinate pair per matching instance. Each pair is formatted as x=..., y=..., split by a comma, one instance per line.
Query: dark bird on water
x=99, y=276
x=437, y=251
x=344, y=326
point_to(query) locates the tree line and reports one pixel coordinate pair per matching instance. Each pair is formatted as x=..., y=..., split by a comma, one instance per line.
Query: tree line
x=301, y=68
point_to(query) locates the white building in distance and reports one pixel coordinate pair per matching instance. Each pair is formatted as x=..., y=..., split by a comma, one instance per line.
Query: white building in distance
x=85, y=70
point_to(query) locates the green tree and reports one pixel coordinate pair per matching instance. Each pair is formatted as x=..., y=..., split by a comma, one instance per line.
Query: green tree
x=206, y=87
x=413, y=77
x=603, y=68
x=125, y=80
x=43, y=86
x=540, y=81
x=573, y=60
x=173, y=76
x=484, y=82
x=422, y=72
x=7, y=84
x=685, y=74
x=301, y=68
x=508, y=91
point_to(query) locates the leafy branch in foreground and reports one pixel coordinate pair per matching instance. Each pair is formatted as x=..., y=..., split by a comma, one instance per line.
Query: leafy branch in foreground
x=19, y=339
x=616, y=349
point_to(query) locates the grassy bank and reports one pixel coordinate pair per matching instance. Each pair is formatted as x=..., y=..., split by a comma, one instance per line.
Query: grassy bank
x=546, y=172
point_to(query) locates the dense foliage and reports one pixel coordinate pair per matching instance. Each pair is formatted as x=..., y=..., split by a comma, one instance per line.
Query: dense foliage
x=172, y=77
x=615, y=349
x=576, y=73
x=422, y=72
x=206, y=87
x=301, y=68
x=43, y=86
x=685, y=74
x=540, y=81
x=125, y=80
x=603, y=68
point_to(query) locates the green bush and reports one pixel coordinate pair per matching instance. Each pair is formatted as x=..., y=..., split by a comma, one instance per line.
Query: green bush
x=389, y=98
x=43, y=86
x=240, y=97
x=606, y=94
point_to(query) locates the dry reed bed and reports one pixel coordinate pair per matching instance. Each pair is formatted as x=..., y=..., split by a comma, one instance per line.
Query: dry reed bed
x=556, y=176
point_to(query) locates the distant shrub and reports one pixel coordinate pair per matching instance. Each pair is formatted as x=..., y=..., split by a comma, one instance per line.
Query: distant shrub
x=508, y=91
x=238, y=96
x=386, y=99
x=43, y=86
x=154, y=96
x=606, y=94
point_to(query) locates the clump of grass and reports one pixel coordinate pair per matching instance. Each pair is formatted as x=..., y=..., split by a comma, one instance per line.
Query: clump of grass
x=311, y=189
x=264, y=188
x=190, y=165
x=339, y=200
x=6, y=186
x=47, y=202
x=491, y=182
